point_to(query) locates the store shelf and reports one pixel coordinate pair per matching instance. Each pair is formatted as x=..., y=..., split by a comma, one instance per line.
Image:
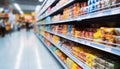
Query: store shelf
x=107, y=12
x=65, y=67
x=61, y=21
x=57, y=8
x=83, y=65
x=103, y=13
x=109, y=49
x=44, y=9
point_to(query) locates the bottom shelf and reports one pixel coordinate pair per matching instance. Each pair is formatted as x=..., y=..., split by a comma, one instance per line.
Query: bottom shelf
x=65, y=67
x=85, y=57
x=63, y=59
x=84, y=66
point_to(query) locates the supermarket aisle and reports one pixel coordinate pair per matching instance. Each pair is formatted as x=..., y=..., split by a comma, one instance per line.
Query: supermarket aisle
x=22, y=50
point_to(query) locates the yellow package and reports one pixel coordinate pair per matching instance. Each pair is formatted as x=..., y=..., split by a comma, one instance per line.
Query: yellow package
x=69, y=62
x=74, y=65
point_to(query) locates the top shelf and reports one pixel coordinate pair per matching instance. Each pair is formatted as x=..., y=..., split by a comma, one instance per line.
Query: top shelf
x=107, y=12
x=48, y=3
x=104, y=13
x=56, y=9
x=42, y=7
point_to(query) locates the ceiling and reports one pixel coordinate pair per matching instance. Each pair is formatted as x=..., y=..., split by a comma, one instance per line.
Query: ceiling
x=27, y=6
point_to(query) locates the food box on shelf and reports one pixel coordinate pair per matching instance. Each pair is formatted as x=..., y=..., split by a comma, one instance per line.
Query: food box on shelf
x=117, y=31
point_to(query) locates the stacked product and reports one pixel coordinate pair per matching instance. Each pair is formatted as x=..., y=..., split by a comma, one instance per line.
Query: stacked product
x=93, y=59
x=61, y=55
x=55, y=39
x=61, y=2
x=53, y=48
x=69, y=63
x=50, y=9
x=81, y=8
x=42, y=21
x=3, y=15
x=71, y=12
x=97, y=4
x=95, y=32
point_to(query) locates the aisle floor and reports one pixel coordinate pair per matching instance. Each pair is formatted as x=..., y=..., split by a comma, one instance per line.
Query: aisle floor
x=23, y=50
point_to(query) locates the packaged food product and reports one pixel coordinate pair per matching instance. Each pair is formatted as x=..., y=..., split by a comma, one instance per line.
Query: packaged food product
x=117, y=31
x=99, y=60
x=112, y=65
x=78, y=67
x=69, y=63
x=117, y=39
x=115, y=1
x=82, y=56
x=74, y=65
x=97, y=35
x=98, y=66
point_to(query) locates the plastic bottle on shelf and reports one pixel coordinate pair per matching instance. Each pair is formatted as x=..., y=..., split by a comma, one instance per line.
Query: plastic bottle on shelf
x=92, y=5
x=103, y=3
x=96, y=4
x=85, y=8
x=115, y=1
x=88, y=8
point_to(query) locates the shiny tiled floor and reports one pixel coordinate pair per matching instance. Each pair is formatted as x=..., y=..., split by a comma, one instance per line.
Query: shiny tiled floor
x=23, y=50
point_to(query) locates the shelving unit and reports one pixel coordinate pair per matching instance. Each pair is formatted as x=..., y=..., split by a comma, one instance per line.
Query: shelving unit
x=84, y=66
x=107, y=12
x=62, y=21
x=65, y=67
x=41, y=8
x=47, y=2
x=57, y=9
x=103, y=45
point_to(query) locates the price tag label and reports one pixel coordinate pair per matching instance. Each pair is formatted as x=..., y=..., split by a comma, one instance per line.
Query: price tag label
x=88, y=16
x=83, y=17
x=83, y=42
x=76, y=40
x=108, y=49
x=88, y=43
x=116, y=11
x=99, y=14
x=107, y=12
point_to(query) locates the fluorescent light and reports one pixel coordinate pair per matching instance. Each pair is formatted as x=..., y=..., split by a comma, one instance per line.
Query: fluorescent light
x=18, y=8
x=21, y=12
x=37, y=8
x=1, y=9
x=41, y=0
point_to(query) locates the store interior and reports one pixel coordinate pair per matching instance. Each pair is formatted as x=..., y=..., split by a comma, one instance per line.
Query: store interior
x=60, y=34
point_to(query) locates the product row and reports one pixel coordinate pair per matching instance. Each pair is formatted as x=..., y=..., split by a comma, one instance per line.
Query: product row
x=91, y=57
x=57, y=5
x=3, y=15
x=50, y=8
x=66, y=60
x=46, y=5
x=78, y=9
x=105, y=35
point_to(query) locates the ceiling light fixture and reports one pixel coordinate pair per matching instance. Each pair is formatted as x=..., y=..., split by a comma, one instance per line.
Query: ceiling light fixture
x=37, y=8
x=18, y=8
x=1, y=9
x=40, y=0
